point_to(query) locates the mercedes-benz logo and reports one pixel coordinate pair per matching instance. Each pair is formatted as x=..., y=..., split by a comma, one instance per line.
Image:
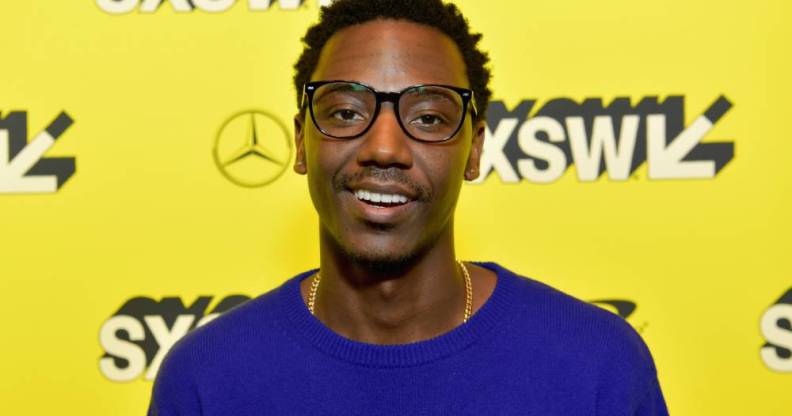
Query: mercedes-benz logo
x=252, y=148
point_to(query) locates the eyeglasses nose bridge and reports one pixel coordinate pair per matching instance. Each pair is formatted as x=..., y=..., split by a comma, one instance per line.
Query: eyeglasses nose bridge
x=387, y=97
x=393, y=116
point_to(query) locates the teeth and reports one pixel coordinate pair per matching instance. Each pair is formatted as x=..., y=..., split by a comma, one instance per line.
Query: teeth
x=383, y=198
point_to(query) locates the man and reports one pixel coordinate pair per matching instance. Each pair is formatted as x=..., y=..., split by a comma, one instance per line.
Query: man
x=392, y=98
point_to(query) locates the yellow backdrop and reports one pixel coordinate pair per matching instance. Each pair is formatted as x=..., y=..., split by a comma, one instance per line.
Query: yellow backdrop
x=144, y=183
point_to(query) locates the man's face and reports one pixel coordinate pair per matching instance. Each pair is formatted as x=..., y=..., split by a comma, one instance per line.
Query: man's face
x=387, y=55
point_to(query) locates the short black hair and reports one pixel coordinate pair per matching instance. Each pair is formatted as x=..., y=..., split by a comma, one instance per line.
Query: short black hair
x=434, y=13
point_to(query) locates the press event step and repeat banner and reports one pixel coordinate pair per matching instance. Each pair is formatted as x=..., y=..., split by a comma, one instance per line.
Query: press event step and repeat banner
x=637, y=157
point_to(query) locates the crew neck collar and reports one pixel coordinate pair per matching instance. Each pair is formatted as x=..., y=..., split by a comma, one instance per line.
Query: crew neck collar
x=303, y=325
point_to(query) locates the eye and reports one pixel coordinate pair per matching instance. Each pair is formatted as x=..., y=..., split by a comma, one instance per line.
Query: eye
x=428, y=120
x=346, y=115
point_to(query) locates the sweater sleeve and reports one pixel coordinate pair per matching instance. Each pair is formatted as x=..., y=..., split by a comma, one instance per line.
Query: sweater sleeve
x=652, y=403
x=628, y=384
x=175, y=392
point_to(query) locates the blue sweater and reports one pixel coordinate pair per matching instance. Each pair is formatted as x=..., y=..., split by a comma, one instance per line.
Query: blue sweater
x=529, y=350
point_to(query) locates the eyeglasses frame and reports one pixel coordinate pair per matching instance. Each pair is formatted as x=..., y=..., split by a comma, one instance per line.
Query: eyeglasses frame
x=466, y=94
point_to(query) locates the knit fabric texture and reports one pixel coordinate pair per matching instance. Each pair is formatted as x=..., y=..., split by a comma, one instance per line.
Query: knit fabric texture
x=529, y=350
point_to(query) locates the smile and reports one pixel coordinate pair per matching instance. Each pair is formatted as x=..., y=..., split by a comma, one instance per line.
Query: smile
x=381, y=199
x=390, y=206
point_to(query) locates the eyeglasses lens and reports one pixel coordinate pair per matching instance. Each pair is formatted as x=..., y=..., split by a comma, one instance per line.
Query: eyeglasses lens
x=431, y=113
x=343, y=109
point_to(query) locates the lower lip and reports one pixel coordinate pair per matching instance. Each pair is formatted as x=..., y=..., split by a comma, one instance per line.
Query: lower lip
x=379, y=214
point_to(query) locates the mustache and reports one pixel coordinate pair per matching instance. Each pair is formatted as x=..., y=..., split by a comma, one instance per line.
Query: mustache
x=343, y=180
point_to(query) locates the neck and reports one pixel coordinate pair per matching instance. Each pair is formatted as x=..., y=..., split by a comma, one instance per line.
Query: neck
x=421, y=299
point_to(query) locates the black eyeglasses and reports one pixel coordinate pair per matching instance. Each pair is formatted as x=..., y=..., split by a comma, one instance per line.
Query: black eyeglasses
x=347, y=109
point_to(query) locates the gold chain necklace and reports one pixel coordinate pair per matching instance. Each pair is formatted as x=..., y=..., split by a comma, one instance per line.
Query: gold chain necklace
x=468, y=292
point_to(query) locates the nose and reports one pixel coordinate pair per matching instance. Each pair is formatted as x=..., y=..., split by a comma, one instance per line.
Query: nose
x=385, y=144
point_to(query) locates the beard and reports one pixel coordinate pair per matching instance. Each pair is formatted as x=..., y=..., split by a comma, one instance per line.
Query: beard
x=381, y=261
x=384, y=262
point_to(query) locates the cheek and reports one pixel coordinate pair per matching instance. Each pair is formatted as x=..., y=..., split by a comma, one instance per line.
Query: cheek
x=320, y=165
x=325, y=159
x=445, y=172
x=313, y=150
x=318, y=155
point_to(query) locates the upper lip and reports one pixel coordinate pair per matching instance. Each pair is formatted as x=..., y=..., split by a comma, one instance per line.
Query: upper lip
x=384, y=188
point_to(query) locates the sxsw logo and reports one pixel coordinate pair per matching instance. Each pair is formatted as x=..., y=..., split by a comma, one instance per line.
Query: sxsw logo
x=138, y=336
x=776, y=327
x=539, y=145
x=23, y=167
x=211, y=6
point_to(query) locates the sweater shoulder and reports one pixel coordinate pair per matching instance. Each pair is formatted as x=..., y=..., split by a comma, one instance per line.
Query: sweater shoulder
x=564, y=321
x=252, y=324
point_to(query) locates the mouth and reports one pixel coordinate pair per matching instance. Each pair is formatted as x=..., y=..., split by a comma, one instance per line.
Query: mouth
x=381, y=207
x=380, y=199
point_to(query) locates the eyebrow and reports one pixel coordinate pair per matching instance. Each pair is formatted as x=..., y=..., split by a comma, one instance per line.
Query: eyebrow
x=341, y=86
x=426, y=92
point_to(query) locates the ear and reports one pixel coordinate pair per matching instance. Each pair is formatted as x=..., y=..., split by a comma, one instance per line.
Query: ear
x=474, y=159
x=299, y=145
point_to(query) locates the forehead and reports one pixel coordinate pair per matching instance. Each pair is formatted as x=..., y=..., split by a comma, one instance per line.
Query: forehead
x=391, y=55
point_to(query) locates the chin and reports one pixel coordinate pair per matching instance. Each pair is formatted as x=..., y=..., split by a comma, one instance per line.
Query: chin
x=381, y=257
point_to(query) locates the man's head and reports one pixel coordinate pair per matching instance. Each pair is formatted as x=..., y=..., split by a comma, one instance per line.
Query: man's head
x=387, y=193
x=444, y=17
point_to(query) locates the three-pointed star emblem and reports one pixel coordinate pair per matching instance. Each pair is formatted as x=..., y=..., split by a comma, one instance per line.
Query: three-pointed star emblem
x=252, y=148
